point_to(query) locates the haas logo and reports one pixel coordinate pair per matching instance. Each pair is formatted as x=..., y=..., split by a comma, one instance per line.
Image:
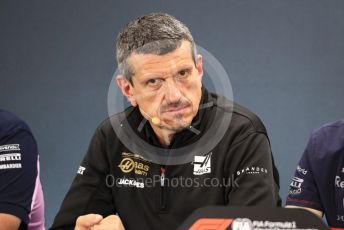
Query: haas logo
x=202, y=164
x=127, y=165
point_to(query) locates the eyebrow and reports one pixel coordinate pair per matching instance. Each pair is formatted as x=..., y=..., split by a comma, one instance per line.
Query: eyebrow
x=161, y=74
x=185, y=67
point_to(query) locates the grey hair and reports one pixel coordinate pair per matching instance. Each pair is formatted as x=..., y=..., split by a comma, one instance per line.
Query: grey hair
x=154, y=33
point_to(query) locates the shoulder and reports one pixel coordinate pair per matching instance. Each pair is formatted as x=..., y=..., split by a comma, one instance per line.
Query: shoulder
x=328, y=140
x=11, y=123
x=243, y=122
x=242, y=118
x=330, y=130
x=108, y=126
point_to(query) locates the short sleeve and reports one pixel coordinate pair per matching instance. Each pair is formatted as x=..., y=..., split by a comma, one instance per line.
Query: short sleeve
x=303, y=189
x=18, y=172
x=255, y=175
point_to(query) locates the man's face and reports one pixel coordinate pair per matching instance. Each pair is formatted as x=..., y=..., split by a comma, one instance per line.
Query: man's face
x=166, y=88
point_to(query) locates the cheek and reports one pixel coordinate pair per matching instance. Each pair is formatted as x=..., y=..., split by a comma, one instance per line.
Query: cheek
x=193, y=92
x=150, y=103
x=143, y=97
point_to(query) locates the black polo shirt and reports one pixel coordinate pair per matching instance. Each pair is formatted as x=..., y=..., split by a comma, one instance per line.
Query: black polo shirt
x=116, y=179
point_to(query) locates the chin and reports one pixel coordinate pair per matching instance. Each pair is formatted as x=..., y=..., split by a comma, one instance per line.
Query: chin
x=178, y=122
x=178, y=126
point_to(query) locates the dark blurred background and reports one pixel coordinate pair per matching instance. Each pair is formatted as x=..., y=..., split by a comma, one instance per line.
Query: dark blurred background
x=285, y=60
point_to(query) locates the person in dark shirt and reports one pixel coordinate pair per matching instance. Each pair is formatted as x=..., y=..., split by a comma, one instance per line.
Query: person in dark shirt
x=21, y=196
x=168, y=153
x=318, y=183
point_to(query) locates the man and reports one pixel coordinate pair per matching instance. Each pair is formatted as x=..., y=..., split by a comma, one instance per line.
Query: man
x=161, y=76
x=318, y=184
x=21, y=196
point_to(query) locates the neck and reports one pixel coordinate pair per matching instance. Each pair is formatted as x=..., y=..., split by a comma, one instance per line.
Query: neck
x=164, y=136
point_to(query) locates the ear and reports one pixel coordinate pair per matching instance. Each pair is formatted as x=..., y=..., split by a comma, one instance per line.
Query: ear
x=126, y=88
x=199, y=65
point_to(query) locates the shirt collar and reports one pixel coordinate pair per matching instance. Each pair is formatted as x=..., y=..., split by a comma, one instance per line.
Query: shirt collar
x=182, y=138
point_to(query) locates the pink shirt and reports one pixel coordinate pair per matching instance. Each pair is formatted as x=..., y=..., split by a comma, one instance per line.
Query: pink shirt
x=36, y=216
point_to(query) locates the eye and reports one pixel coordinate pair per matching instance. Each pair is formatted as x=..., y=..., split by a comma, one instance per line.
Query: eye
x=151, y=81
x=183, y=73
x=154, y=82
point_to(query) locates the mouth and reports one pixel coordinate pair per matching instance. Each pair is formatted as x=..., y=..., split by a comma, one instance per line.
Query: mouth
x=179, y=109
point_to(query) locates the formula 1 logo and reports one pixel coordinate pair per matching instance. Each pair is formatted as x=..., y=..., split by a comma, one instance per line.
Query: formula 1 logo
x=222, y=224
x=211, y=224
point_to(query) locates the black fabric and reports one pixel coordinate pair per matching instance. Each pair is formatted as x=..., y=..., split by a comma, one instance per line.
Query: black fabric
x=242, y=159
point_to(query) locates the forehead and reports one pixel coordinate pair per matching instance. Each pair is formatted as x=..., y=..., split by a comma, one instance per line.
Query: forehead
x=152, y=63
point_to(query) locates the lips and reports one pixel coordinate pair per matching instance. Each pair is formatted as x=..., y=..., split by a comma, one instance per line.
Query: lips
x=176, y=109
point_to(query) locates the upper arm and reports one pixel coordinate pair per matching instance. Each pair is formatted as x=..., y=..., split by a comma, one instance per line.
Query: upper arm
x=9, y=222
x=18, y=172
x=254, y=175
x=303, y=187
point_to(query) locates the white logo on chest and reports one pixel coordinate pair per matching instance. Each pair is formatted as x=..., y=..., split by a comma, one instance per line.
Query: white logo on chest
x=202, y=164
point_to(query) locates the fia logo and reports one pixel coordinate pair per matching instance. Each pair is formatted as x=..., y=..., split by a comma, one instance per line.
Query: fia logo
x=202, y=164
x=242, y=224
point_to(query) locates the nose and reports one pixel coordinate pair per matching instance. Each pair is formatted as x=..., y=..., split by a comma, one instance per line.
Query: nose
x=172, y=92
